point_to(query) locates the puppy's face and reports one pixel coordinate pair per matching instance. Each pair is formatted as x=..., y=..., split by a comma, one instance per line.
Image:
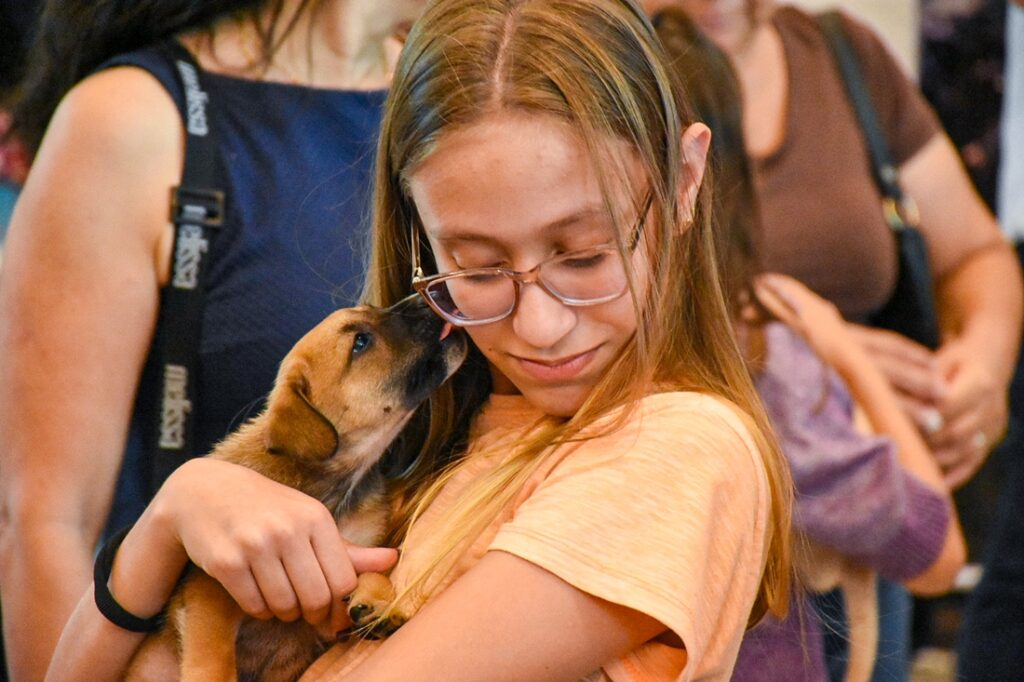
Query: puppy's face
x=349, y=385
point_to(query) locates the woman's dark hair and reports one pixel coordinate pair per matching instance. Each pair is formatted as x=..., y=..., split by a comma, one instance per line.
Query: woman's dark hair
x=713, y=89
x=76, y=36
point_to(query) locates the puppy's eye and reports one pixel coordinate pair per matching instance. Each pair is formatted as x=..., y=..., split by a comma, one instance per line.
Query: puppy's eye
x=361, y=342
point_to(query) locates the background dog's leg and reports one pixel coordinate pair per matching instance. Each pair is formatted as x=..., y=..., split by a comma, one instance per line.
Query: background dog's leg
x=208, y=629
x=860, y=588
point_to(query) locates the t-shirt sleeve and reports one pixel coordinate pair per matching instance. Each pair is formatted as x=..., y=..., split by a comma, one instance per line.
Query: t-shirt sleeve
x=666, y=516
x=907, y=119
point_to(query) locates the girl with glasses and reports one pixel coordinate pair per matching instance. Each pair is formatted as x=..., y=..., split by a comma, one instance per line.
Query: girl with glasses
x=596, y=494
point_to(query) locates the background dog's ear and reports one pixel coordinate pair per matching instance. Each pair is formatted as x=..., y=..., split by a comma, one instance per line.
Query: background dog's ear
x=295, y=427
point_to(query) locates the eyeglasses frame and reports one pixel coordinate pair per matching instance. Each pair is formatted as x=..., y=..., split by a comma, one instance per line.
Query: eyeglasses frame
x=420, y=282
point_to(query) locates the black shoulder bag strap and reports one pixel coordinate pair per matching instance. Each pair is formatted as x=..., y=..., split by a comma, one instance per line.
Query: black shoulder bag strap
x=911, y=309
x=197, y=211
x=900, y=211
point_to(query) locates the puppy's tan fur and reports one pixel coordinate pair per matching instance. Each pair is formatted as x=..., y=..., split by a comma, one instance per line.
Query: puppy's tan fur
x=342, y=395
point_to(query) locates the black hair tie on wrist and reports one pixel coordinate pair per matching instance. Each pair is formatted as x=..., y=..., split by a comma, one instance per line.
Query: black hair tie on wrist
x=105, y=601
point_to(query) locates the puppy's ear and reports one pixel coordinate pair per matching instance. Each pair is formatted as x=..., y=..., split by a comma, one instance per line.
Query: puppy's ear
x=295, y=428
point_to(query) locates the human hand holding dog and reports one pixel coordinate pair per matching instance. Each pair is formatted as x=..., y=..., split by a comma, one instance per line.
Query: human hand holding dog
x=275, y=550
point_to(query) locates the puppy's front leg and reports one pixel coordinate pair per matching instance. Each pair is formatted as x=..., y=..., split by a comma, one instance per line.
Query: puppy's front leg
x=208, y=629
x=368, y=602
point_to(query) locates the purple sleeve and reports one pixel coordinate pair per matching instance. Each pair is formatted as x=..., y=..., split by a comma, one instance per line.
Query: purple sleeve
x=852, y=493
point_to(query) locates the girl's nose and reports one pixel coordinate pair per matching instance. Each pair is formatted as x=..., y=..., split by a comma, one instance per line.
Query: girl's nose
x=540, y=319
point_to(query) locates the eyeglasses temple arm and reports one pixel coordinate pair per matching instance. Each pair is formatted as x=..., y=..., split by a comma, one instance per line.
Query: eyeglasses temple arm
x=417, y=271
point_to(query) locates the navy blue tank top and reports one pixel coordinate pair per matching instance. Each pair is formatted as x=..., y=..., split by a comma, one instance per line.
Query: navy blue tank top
x=296, y=165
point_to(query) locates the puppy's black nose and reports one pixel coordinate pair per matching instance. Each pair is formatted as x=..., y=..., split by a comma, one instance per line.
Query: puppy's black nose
x=418, y=315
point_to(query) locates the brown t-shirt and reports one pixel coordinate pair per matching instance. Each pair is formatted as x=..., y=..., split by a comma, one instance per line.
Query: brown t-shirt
x=821, y=210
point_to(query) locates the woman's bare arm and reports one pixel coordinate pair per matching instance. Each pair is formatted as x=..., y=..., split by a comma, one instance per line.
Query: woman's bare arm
x=78, y=303
x=981, y=303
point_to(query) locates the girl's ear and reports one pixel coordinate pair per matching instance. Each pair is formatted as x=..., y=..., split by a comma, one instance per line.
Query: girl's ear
x=695, y=143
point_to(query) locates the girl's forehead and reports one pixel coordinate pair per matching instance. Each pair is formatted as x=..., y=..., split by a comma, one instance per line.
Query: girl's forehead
x=512, y=169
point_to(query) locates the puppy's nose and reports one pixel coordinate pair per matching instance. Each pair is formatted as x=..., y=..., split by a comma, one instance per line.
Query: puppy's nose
x=410, y=305
x=415, y=312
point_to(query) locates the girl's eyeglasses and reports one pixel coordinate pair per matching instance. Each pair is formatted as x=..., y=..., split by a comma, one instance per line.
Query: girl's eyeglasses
x=483, y=295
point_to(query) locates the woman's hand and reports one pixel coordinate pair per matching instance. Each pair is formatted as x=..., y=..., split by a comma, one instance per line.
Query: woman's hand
x=913, y=370
x=952, y=396
x=276, y=550
x=974, y=411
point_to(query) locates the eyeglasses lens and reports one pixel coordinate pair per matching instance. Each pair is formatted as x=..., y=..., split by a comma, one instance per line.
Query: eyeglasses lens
x=579, y=278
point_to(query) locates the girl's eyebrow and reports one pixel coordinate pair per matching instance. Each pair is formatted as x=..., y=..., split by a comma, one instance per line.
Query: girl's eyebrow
x=458, y=234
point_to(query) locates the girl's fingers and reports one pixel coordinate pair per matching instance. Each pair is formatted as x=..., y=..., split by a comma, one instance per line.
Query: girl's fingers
x=339, y=575
x=776, y=304
x=306, y=575
x=372, y=559
x=276, y=588
x=245, y=590
x=332, y=555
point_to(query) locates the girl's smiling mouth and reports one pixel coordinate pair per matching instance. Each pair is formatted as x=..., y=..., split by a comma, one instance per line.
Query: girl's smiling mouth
x=560, y=369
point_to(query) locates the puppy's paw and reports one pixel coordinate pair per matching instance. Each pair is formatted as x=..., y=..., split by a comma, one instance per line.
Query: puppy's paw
x=368, y=603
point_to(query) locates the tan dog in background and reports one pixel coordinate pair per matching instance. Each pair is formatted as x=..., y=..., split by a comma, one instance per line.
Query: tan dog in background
x=342, y=395
x=823, y=570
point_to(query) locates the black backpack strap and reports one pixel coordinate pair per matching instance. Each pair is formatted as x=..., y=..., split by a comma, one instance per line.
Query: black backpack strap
x=197, y=211
x=899, y=209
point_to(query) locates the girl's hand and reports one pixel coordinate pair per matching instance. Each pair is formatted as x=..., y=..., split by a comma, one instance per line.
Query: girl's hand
x=276, y=550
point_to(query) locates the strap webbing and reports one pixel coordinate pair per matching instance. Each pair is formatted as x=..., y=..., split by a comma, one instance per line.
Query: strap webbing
x=197, y=211
x=882, y=167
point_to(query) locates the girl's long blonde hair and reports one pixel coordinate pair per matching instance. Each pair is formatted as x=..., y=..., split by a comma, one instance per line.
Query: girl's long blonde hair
x=596, y=65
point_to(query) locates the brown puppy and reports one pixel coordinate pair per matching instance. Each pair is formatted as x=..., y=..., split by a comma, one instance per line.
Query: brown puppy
x=342, y=395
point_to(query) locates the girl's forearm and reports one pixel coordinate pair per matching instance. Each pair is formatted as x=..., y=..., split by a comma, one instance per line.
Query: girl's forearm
x=92, y=648
x=145, y=572
x=148, y=564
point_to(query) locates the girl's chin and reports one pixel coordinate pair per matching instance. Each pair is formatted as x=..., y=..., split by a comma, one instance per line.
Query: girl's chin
x=563, y=401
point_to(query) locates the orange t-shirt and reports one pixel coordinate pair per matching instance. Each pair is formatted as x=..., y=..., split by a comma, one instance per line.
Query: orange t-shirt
x=666, y=515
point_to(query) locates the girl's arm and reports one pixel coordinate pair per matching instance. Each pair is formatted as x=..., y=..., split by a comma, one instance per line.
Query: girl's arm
x=824, y=329
x=279, y=557
x=78, y=302
x=535, y=626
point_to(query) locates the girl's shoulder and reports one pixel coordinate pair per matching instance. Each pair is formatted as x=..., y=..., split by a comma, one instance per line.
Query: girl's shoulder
x=675, y=432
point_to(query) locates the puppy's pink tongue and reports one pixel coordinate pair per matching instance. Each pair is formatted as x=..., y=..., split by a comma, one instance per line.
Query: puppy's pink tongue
x=446, y=330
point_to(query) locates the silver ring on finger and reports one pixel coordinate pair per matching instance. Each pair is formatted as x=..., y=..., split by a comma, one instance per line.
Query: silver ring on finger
x=980, y=441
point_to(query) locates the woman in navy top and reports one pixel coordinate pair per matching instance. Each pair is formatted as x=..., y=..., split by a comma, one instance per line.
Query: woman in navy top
x=298, y=86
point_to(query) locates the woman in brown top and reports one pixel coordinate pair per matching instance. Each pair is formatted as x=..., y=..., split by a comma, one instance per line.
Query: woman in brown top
x=824, y=226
